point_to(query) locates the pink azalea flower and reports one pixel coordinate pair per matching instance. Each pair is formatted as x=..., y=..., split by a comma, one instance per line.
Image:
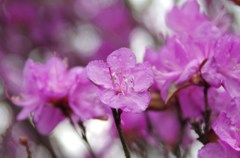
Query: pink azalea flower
x=186, y=19
x=190, y=20
x=45, y=92
x=183, y=54
x=124, y=83
x=176, y=62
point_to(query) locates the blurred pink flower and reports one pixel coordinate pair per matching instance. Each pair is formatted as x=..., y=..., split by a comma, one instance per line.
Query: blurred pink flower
x=176, y=62
x=45, y=92
x=84, y=99
x=190, y=20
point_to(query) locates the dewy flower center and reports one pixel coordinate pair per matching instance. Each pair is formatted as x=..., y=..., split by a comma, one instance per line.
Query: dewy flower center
x=122, y=83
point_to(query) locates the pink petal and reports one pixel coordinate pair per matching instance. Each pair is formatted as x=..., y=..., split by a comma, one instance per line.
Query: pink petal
x=190, y=69
x=84, y=101
x=212, y=150
x=143, y=77
x=29, y=104
x=122, y=59
x=151, y=57
x=55, y=66
x=134, y=102
x=98, y=72
x=110, y=98
x=226, y=131
x=56, y=72
x=34, y=81
x=186, y=19
x=47, y=119
x=76, y=73
x=232, y=85
x=192, y=101
x=25, y=112
x=210, y=73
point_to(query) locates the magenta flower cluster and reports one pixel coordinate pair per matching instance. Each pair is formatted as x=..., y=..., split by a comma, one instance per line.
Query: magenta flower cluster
x=199, y=65
x=196, y=72
x=51, y=92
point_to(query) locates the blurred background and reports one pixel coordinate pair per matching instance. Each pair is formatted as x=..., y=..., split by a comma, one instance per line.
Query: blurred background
x=81, y=30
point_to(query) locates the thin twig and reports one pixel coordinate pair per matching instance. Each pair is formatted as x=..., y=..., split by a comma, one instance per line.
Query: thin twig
x=207, y=114
x=83, y=130
x=84, y=137
x=183, y=123
x=151, y=130
x=24, y=142
x=117, y=120
x=203, y=132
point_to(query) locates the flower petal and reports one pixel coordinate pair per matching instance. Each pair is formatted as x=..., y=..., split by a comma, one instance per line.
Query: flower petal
x=84, y=101
x=98, y=72
x=212, y=150
x=187, y=19
x=122, y=59
x=29, y=104
x=47, y=118
x=33, y=81
x=190, y=69
x=232, y=85
x=210, y=73
x=143, y=77
x=134, y=102
x=192, y=101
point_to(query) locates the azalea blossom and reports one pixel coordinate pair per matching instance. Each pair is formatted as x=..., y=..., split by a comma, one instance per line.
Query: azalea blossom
x=124, y=83
x=182, y=57
x=189, y=19
x=176, y=62
x=45, y=92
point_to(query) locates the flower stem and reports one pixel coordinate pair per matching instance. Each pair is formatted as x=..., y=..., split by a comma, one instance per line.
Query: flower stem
x=84, y=137
x=203, y=132
x=83, y=130
x=183, y=123
x=207, y=114
x=117, y=119
x=24, y=141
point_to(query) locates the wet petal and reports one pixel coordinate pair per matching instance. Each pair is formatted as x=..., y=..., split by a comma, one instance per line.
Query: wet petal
x=143, y=77
x=121, y=59
x=134, y=102
x=98, y=72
